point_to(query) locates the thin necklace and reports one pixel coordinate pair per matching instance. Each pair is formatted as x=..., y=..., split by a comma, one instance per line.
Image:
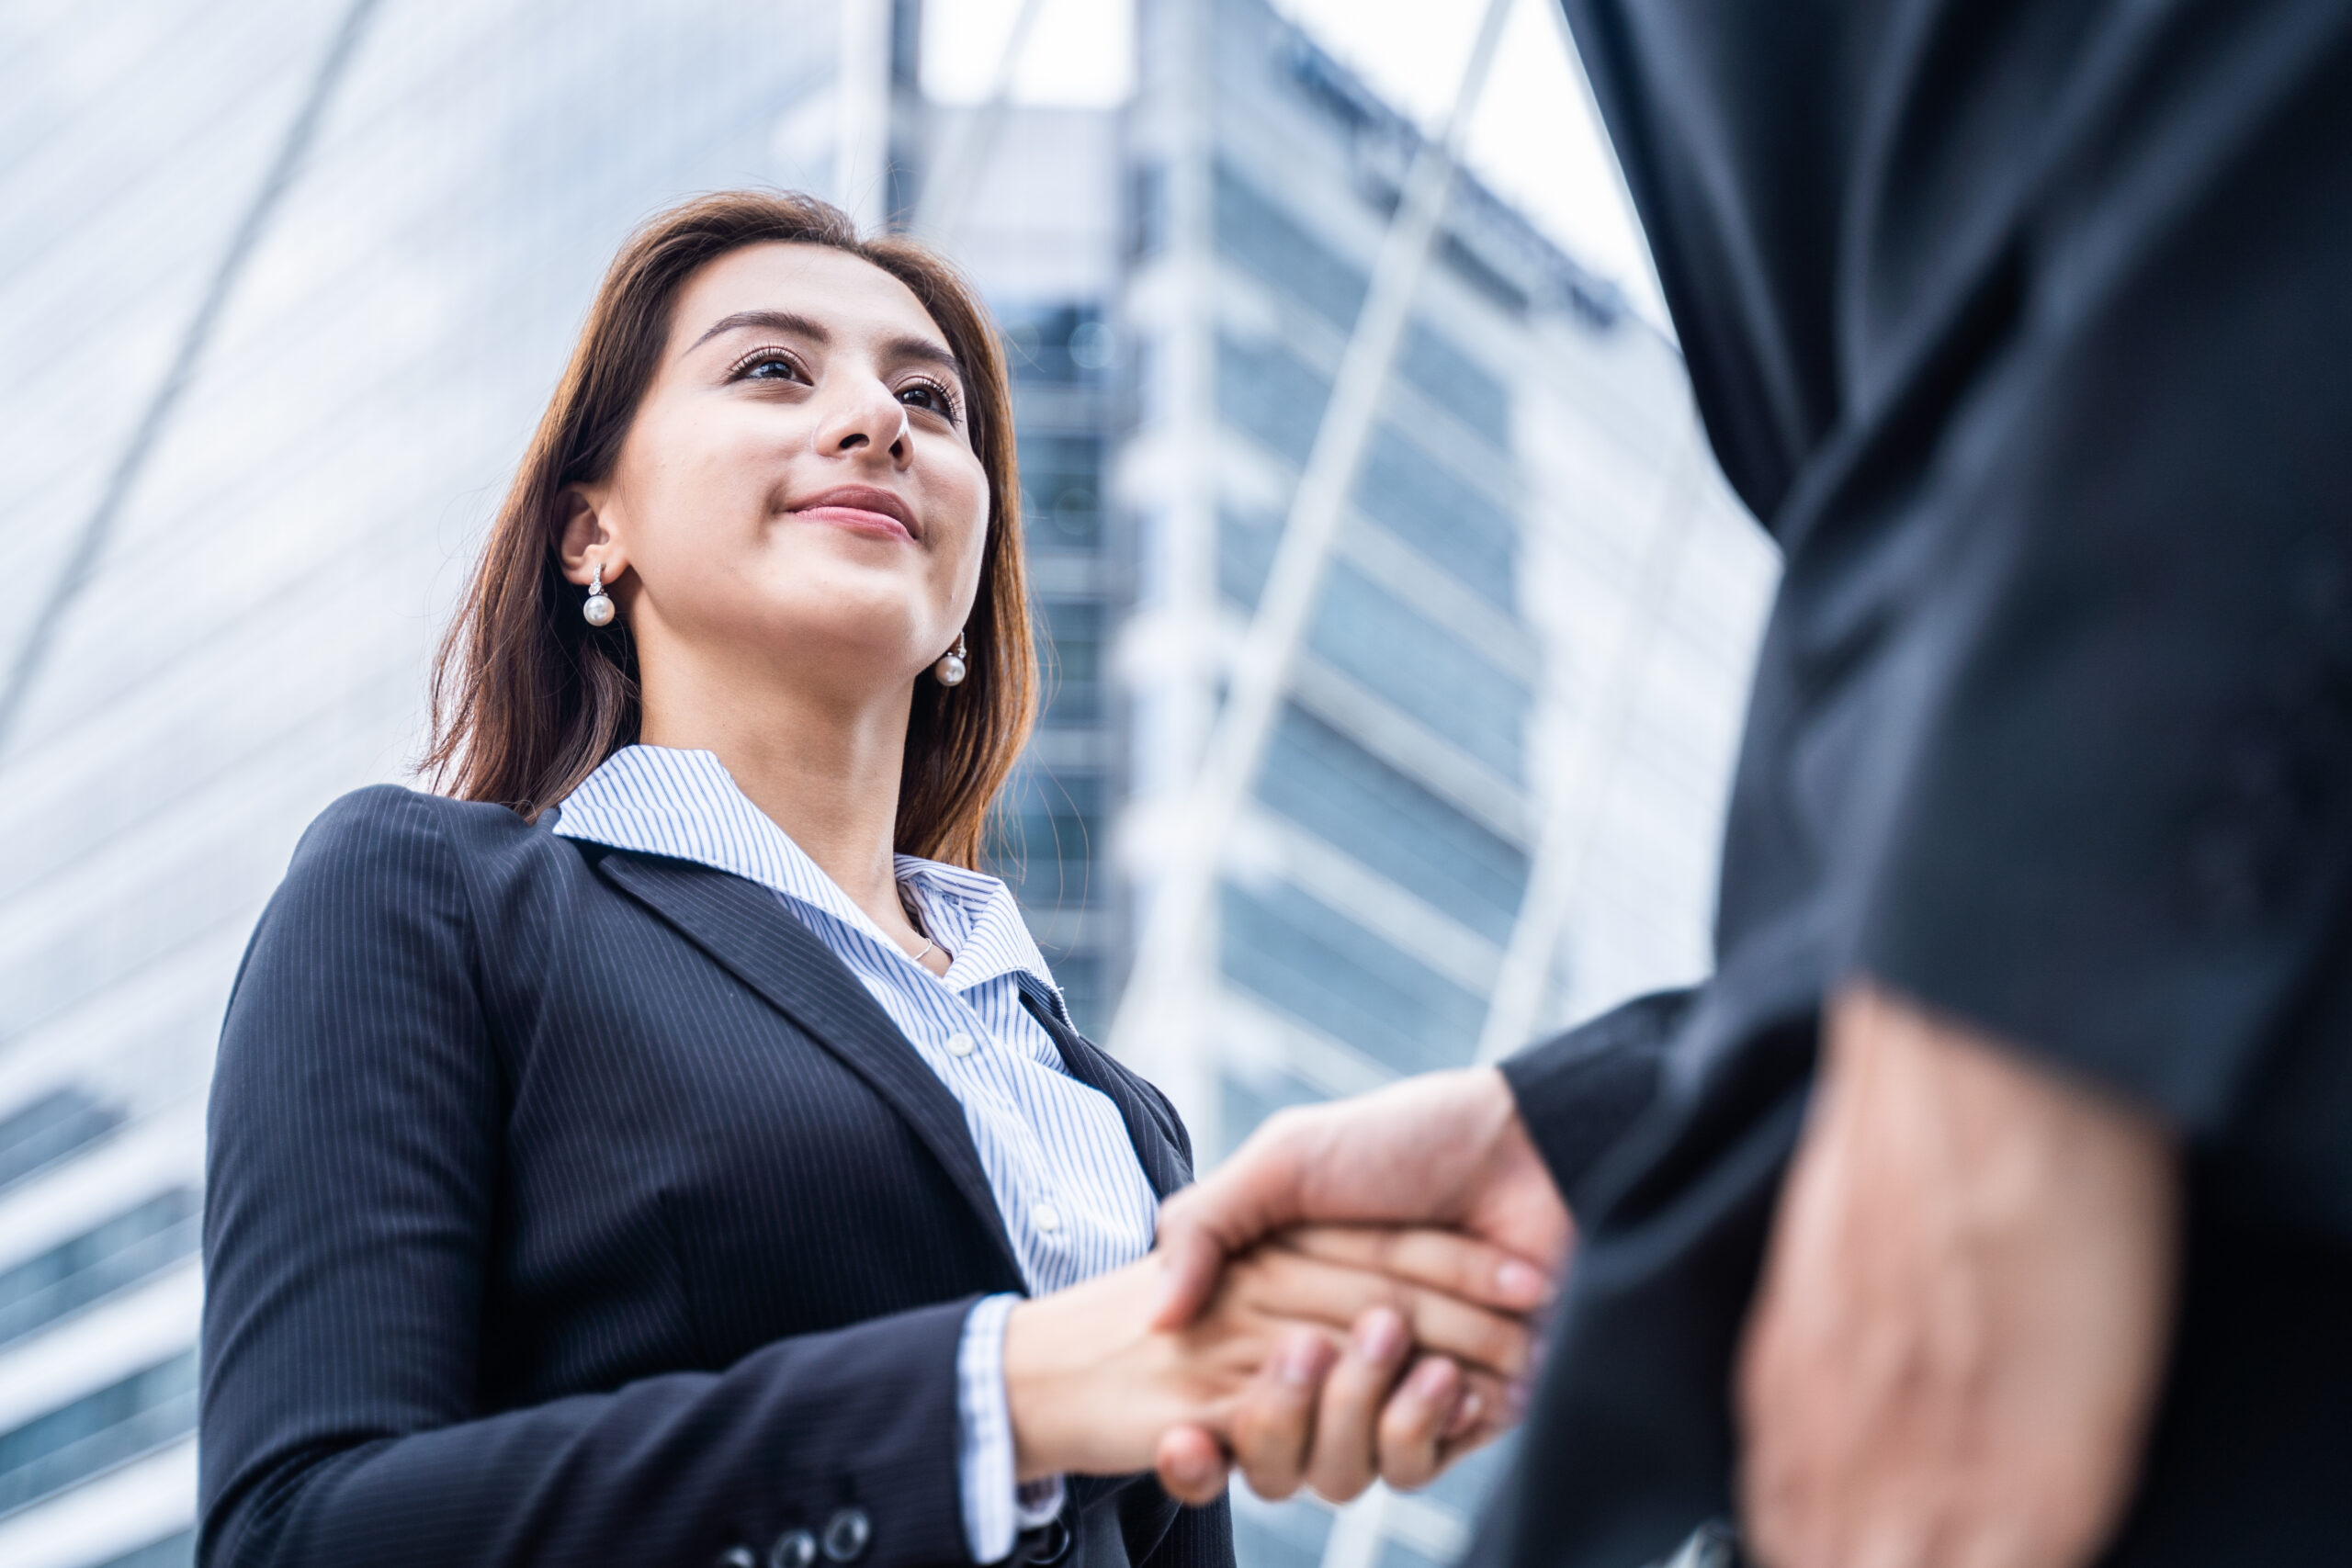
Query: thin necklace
x=916, y=920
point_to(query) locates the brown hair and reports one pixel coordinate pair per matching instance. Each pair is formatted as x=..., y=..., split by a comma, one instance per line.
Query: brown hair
x=528, y=698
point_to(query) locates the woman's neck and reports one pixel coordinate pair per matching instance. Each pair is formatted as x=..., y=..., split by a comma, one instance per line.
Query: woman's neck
x=823, y=767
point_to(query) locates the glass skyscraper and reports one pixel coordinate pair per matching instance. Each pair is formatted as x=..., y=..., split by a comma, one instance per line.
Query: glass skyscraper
x=1508, y=734
x=1528, y=652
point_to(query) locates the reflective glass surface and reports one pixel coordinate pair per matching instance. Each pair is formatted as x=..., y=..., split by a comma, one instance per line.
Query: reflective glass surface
x=152, y=1406
x=126, y=1249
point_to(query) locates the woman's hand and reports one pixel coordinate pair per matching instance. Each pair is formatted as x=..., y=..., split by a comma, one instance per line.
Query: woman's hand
x=1323, y=1314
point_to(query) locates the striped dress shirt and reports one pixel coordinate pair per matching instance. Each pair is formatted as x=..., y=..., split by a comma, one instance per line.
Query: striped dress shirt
x=1074, y=1197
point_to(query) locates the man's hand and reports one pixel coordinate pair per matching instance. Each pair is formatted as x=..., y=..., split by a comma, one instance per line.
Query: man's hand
x=1447, y=1149
x=1090, y=1388
x=1960, y=1334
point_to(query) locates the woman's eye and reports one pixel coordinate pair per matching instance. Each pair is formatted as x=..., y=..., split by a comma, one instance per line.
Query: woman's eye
x=928, y=395
x=766, y=365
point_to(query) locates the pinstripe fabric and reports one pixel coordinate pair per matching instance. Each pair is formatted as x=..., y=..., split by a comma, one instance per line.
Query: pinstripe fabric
x=570, y=1205
x=1074, y=1197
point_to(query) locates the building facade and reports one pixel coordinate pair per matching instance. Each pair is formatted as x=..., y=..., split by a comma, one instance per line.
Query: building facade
x=1527, y=655
x=1490, y=803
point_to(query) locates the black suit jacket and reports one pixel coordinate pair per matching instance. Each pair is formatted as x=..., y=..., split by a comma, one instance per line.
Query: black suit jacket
x=2026, y=327
x=567, y=1205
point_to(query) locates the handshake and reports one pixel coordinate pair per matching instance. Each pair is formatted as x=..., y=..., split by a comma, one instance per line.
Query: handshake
x=1382, y=1340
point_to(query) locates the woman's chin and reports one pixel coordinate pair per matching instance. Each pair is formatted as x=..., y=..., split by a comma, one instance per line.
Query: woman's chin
x=880, y=644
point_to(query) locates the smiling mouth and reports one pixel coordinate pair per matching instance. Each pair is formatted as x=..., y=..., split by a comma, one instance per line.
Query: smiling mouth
x=861, y=508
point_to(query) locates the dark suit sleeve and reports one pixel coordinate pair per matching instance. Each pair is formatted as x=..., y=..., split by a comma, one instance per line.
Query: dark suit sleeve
x=354, y=1192
x=2120, y=821
x=1579, y=1090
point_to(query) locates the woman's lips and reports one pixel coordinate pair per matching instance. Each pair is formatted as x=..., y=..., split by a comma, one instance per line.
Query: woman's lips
x=861, y=509
x=857, y=519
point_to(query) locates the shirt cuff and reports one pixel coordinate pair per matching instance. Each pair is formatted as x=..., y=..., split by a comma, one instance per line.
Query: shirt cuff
x=995, y=1510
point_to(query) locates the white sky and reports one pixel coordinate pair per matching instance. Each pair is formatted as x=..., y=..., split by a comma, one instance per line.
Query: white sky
x=1536, y=140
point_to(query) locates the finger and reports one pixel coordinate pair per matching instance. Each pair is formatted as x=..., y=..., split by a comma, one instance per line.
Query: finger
x=1284, y=1284
x=1344, y=1458
x=1483, y=1413
x=1460, y=1265
x=1445, y=1326
x=1415, y=1421
x=1192, y=1467
x=1273, y=1427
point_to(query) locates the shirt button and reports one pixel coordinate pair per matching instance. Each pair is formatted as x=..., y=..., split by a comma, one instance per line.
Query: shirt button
x=1047, y=1218
x=961, y=1045
x=792, y=1549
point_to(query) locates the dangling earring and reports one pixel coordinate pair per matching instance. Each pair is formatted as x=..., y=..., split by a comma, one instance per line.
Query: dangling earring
x=950, y=667
x=598, y=611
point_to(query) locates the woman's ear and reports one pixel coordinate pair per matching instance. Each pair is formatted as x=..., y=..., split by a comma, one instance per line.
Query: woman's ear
x=587, y=542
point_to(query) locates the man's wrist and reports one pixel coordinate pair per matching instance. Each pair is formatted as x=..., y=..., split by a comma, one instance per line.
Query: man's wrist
x=1579, y=1092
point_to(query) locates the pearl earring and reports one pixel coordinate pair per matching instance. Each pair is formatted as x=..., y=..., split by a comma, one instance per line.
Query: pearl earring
x=950, y=667
x=598, y=609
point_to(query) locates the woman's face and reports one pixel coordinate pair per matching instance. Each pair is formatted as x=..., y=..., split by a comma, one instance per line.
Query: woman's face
x=798, y=486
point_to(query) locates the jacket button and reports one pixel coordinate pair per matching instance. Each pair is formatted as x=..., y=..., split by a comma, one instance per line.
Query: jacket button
x=738, y=1557
x=792, y=1549
x=1046, y=1545
x=847, y=1534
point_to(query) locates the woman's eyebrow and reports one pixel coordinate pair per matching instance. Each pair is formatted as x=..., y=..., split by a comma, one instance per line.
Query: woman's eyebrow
x=925, y=351
x=774, y=321
x=923, y=348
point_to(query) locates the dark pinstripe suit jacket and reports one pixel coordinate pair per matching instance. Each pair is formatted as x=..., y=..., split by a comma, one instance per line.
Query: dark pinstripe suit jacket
x=573, y=1206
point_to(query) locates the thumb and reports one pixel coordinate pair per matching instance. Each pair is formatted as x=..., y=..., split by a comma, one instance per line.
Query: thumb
x=1190, y=1260
x=1192, y=1464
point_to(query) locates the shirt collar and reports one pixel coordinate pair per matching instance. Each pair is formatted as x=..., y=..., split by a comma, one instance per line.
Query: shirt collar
x=686, y=804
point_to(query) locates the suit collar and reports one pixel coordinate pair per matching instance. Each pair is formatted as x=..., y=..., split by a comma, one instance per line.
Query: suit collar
x=754, y=936
x=684, y=804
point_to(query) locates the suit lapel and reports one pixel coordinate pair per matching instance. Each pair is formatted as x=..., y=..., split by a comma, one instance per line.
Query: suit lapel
x=750, y=933
x=1155, y=1142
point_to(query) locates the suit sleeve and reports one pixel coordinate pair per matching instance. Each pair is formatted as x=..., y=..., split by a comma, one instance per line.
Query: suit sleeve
x=2121, y=823
x=1579, y=1091
x=353, y=1193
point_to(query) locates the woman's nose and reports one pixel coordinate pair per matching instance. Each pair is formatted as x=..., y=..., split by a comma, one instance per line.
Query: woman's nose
x=870, y=420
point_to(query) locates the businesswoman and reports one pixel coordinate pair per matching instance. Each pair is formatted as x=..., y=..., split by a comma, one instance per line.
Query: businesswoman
x=663, y=1148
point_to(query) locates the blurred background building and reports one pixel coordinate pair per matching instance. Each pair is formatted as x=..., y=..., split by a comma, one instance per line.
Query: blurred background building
x=283, y=289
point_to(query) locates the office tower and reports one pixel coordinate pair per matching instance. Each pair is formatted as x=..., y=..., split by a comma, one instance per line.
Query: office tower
x=1508, y=737
x=252, y=635
x=1539, y=613
x=1038, y=225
